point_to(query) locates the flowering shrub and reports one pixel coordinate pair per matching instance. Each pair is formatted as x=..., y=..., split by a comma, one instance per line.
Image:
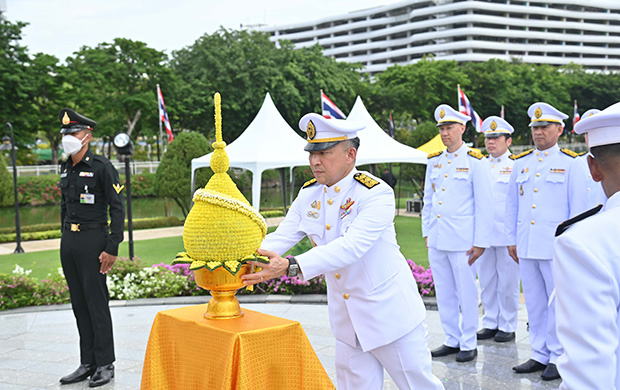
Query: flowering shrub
x=289, y=286
x=424, y=278
x=53, y=290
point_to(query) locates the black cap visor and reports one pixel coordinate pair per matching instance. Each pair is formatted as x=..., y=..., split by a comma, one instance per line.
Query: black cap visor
x=74, y=129
x=320, y=146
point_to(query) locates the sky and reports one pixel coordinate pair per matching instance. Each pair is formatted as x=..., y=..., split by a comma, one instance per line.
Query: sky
x=61, y=27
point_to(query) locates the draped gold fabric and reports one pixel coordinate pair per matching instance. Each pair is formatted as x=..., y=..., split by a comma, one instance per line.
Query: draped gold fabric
x=256, y=351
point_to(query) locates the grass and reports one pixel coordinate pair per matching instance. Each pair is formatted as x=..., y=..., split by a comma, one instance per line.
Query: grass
x=408, y=234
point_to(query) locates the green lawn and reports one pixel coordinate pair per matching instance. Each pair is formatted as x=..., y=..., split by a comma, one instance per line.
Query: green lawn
x=165, y=249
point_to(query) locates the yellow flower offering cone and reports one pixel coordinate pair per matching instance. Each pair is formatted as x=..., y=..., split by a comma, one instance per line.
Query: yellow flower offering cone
x=222, y=231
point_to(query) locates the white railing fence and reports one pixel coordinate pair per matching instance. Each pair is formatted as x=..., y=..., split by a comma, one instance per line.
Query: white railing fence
x=39, y=170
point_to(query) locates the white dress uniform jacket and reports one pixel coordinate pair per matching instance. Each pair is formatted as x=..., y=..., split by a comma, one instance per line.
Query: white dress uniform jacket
x=500, y=170
x=373, y=297
x=587, y=281
x=546, y=188
x=457, y=201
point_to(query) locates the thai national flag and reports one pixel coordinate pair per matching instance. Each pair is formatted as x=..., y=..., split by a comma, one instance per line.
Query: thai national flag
x=466, y=108
x=163, y=115
x=392, y=130
x=576, y=116
x=330, y=111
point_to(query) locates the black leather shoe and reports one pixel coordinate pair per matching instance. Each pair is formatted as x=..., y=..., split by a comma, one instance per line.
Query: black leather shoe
x=466, y=356
x=103, y=375
x=502, y=337
x=486, y=333
x=529, y=366
x=82, y=372
x=444, y=350
x=550, y=373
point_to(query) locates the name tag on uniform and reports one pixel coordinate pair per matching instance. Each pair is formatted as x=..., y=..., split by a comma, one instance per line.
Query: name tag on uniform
x=87, y=174
x=64, y=174
x=87, y=198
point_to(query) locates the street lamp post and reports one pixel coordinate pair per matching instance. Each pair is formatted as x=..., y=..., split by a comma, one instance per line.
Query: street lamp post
x=8, y=143
x=124, y=148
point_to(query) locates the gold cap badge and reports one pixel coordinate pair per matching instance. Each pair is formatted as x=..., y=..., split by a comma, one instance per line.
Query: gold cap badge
x=493, y=125
x=538, y=113
x=442, y=113
x=65, y=119
x=311, y=130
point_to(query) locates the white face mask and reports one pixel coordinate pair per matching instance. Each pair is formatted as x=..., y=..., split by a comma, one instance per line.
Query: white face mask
x=71, y=144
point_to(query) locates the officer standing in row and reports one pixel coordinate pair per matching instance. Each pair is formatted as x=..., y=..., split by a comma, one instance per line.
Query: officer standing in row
x=455, y=225
x=375, y=310
x=498, y=273
x=596, y=195
x=90, y=189
x=586, y=266
x=547, y=186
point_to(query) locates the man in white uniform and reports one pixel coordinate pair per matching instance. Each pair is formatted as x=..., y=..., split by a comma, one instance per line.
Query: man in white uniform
x=586, y=265
x=498, y=273
x=547, y=186
x=596, y=195
x=455, y=223
x=375, y=310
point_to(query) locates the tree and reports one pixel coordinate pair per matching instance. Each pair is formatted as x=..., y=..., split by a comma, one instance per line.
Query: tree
x=47, y=94
x=243, y=66
x=7, y=196
x=173, y=177
x=115, y=84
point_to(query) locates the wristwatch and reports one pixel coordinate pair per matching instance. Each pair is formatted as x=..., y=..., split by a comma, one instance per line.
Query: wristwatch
x=293, y=267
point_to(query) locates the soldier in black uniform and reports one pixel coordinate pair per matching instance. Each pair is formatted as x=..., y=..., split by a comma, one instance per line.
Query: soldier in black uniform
x=90, y=187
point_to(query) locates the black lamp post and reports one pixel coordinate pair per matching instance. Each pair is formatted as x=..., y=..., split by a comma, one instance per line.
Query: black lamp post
x=8, y=143
x=124, y=147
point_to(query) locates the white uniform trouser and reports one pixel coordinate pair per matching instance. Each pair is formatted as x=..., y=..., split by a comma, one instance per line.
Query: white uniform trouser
x=407, y=360
x=538, y=284
x=455, y=287
x=499, y=281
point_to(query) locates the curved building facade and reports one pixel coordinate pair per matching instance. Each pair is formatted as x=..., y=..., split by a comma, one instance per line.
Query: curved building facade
x=556, y=32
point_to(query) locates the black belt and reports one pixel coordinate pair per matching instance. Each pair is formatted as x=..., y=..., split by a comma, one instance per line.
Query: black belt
x=81, y=227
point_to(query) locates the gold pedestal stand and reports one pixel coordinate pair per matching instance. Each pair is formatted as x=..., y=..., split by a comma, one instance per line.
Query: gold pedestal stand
x=223, y=287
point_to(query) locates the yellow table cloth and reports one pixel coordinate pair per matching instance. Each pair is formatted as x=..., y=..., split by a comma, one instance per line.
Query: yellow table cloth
x=256, y=351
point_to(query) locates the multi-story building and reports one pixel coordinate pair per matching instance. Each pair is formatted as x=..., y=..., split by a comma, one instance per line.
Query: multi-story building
x=557, y=32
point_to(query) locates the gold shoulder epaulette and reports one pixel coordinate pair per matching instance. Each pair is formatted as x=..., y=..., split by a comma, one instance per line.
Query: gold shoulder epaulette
x=435, y=154
x=518, y=156
x=486, y=156
x=582, y=153
x=366, y=180
x=569, y=152
x=309, y=183
x=475, y=154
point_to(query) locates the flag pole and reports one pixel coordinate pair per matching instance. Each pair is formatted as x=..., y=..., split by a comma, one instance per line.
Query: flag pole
x=161, y=138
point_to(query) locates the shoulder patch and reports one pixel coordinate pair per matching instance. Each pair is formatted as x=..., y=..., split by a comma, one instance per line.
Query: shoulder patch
x=566, y=224
x=475, y=154
x=366, y=180
x=309, y=183
x=435, y=154
x=582, y=153
x=522, y=154
x=569, y=152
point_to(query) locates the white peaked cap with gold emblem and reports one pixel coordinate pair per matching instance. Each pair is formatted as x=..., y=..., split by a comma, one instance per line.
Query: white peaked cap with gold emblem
x=494, y=126
x=602, y=128
x=323, y=133
x=542, y=114
x=445, y=114
x=590, y=112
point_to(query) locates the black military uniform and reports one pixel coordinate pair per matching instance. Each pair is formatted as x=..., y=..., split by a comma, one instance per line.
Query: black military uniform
x=89, y=189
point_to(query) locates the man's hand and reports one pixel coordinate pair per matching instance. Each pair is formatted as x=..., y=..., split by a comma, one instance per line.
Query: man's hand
x=107, y=262
x=474, y=253
x=276, y=267
x=512, y=251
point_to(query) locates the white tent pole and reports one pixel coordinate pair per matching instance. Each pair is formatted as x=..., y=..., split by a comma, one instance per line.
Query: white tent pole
x=256, y=180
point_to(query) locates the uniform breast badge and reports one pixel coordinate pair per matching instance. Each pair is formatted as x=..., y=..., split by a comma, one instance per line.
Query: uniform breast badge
x=313, y=214
x=316, y=205
x=347, y=208
x=433, y=184
x=521, y=189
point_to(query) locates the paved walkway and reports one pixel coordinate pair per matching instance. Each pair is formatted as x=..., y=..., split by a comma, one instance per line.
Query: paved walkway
x=39, y=345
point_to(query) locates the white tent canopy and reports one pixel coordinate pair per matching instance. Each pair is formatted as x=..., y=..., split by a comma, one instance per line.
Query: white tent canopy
x=267, y=143
x=376, y=146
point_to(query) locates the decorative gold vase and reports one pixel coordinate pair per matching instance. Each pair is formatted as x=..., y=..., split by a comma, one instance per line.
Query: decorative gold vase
x=223, y=286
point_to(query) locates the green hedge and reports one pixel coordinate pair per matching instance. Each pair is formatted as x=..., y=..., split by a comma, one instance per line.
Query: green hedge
x=48, y=231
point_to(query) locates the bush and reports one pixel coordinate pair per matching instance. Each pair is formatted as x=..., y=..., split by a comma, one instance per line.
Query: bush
x=17, y=290
x=272, y=213
x=141, y=185
x=39, y=190
x=423, y=278
x=6, y=185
